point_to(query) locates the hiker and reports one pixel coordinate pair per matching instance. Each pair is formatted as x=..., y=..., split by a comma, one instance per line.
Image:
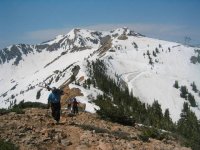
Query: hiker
x=69, y=105
x=75, y=106
x=54, y=101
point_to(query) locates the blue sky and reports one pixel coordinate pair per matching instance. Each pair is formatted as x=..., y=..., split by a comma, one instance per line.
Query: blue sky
x=34, y=21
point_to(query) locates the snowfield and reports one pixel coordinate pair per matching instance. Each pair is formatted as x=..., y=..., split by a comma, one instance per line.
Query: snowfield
x=127, y=61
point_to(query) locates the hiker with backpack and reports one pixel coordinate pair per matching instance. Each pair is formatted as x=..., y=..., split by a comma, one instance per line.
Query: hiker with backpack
x=70, y=104
x=54, y=102
x=75, y=106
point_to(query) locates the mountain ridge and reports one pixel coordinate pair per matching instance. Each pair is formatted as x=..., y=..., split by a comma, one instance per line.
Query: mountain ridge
x=149, y=67
x=85, y=131
x=74, y=38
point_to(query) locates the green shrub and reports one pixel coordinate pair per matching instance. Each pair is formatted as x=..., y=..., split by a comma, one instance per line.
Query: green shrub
x=115, y=114
x=144, y=137
x=24, y=105
x=18, y=110
x=153, y=133
x=4, y=111
x=7, y=145
x=122, y=135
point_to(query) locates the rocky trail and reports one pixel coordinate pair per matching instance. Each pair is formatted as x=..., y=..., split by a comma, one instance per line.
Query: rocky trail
x=36, y=130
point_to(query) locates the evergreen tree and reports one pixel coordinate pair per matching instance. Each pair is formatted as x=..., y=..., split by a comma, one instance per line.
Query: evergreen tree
x=57, y=78
x=185, y=107
x=89, y=81
x=148, y=53
x=156, y=115
x=154, y=54
x=150, y=61
x=191, y=99
x=188, y=127
x=194, y=87
x=38, y=94
x=157, y=50
x=135, y=46
x=119, y=105
x=167, y=122
x=184, y=92
x=85, y=84
x=72, y=78
x=176, y=84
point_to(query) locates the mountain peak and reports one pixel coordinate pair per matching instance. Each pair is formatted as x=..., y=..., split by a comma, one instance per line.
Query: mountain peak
x=135, y=59
x=125, y=31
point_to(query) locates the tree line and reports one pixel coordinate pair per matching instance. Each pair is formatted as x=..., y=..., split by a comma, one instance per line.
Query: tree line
x=119, y=105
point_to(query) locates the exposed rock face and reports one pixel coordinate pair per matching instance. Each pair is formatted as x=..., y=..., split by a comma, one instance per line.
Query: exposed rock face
x=75, y=40
x=36, y=130
x=15, y=52
x=79, y=42
x=122, y=37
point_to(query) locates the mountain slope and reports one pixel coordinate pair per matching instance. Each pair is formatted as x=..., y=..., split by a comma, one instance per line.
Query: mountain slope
x=149, y=67
x=154, y=82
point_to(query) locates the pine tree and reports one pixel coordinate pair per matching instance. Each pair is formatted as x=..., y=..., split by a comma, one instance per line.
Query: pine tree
x=191, y=99
x=188, y=127
x=148, y=53
x=89, y=81
x=157, y=50
x=150, y=61
x=154, y=54
x=38, y=94
x=57, y=78
x=72, y=78
x=167, y=121
x=135, y=46
x=119, y=105
x=176, y=84
x=184, y=92
x=156, y=115
x=194, y=87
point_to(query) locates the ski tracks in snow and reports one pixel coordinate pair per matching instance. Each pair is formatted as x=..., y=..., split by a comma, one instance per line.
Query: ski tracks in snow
x=130, y=77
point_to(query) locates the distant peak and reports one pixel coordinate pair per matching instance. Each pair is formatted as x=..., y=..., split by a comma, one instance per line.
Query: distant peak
x=59, y=36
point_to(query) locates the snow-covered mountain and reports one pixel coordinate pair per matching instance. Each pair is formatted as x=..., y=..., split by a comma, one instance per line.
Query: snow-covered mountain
x=149, y=67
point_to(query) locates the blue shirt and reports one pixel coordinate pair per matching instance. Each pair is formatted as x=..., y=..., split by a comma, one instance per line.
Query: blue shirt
x=54, y=97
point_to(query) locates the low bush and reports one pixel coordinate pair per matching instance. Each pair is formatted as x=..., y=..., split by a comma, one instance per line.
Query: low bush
x=153, y=133
x=7, y=145
x=18, y=108
x=24, y=105
x=4, y=111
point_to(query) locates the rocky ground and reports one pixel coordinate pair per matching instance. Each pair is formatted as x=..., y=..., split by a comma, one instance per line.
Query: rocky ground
x=36, y=130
